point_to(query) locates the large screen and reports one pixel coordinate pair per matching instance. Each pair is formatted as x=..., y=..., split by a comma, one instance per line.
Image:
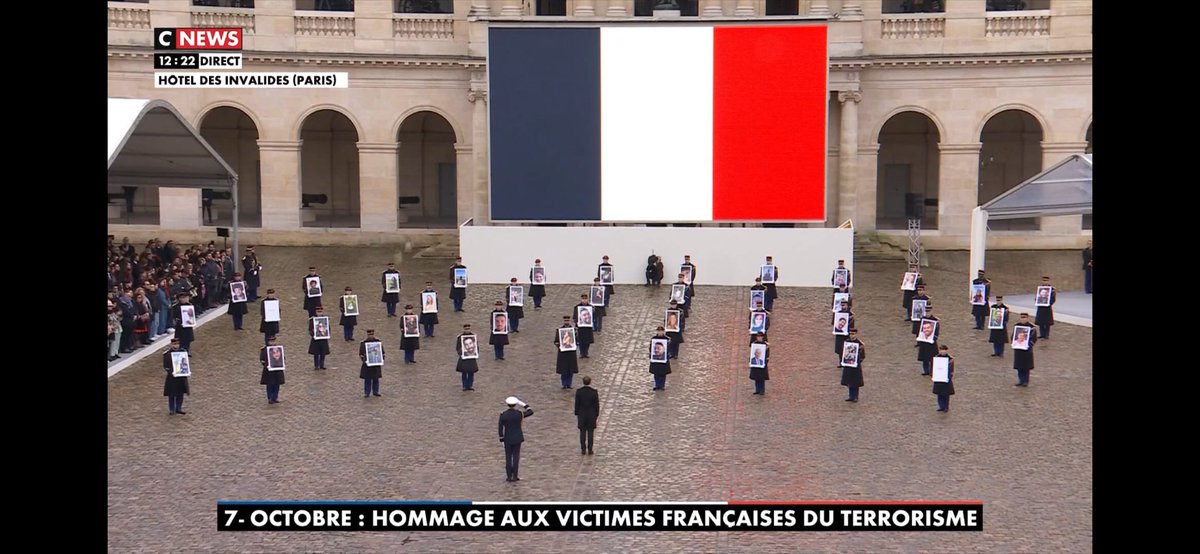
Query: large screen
x=658, y=122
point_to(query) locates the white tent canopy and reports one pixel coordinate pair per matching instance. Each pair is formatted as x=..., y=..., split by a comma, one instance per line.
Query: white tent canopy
x=151, y=145
x=1063, y=189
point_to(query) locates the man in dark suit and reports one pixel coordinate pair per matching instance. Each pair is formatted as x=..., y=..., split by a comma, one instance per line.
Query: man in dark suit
x=1087, y=268
x=512, y=437
x=587, y=410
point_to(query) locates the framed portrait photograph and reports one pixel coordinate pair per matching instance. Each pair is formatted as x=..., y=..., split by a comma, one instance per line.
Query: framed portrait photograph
x=350, y=301
x=910, y=281
x=539, y=275
x=841, y=323
x=500, y=323
x=606, y=276
x=841, y=277
x=679, y=294
x=767, y=273
x=410, y=326
x=850, y=354
x=758, y=299
x=321, y=327
x=928, y=331
x=838, y=297
x=313, y=284
x=1043, y=296
x=391, y=282
x=271, y=310
x=758, y=322
x=429, y=303
x=979, y=295
x=516, y=295
x=470, y=347
x=941, y=369
x=658, y=351
x=583, y=316
x=275, y=360
x=996, y=318
x=686, y=270
x=671, y=320
x=758, y=354
x=187, y=316
x=237, y=291
x=181, y=366
x=918, y=309
x=460, y=277
x=374, y=353
x=566, y=339
x=597, y=296
x=1020, y=340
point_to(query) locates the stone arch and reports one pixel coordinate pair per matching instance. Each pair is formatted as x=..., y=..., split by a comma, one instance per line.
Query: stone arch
x=937, y=123
x=1010, y=152
x=299, y=125
x=427, y=169
x=234, y=133
x=1019, y=107
x=329, y=165
x=907, y=174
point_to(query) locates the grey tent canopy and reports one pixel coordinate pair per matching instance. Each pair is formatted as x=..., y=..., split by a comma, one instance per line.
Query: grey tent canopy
x=150, y=144
x=1063, y=189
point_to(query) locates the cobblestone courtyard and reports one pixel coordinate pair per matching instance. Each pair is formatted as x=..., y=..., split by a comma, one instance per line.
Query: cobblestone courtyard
x=1024, y=452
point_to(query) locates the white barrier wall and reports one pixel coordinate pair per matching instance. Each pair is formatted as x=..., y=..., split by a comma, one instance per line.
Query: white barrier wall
x=723, y=256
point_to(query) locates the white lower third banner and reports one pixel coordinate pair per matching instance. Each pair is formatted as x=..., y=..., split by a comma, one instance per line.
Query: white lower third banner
x=188, y=79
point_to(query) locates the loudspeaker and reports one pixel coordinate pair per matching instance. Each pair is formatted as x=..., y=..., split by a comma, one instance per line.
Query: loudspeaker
x=222, y=231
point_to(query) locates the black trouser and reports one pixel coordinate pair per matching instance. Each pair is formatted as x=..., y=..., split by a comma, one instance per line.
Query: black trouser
x=126, y=336
x=585, y=439
x=512, y=459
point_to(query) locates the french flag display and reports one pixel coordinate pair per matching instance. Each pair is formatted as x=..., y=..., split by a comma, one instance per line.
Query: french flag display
x=658, y=122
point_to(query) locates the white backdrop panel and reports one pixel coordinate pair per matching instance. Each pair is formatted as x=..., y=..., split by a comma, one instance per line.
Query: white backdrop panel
x=723, y=256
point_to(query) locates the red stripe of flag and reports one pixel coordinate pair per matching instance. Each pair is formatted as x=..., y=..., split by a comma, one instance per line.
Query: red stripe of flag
x=769, y=103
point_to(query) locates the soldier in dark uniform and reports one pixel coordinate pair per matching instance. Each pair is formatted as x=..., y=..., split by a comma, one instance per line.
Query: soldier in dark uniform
x=466, y=367
x=766, y=323
x=660, y=370
x=587, y=411
x=944, y=390
x=1023, y=359
x=926, y=351
x=852, y=377
x=839, y=340
x=457, y=294
x=272, y=379
x=346, y=321
x=428, y=320
x=537, y=291
x=498, y=341
x=583, y=335
x=319, y=348
x=515, y=313
x=771, y=293
x=906, y=299
x=409, y=344
x=174, y=387
x=833, y=276
x=567, y=364
x=1045, y=314
x=1087, y=268
x=650, y=269
x=684, y=306
x=238, y=309
x=184, y=334
x=268, y=328
x=760, y=375
x=512, y=437
x=599, y=312
x=676, y=337
x=609, y=290
x=391, y=299
x=920, y=295
x=657, y=277
x=999, y=337
x=252, y=270
x=370, y=374
x=691, y=289
x=310, y=302
x=980, y=311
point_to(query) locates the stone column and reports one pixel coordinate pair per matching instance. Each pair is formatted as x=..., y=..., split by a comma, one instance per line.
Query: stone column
x=819, y=8
x=744, y=8
x=377, y=188
x=843, y=204
x=619, y=8
x=473, y=200
x=179, y=208
x=280, y=160
x=711, y=8
x=1052, y=153
x=512, y=8
x=958, y=189
x=585, y=8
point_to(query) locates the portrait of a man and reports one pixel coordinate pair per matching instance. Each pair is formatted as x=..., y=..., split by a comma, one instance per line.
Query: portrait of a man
x=584, y=316
x=374, y=353
x=1020, y=339
x=275, y=361
x=658, y=351
x=918, y=309
x=757, y=297
x=838, y=298
x=1043, y=296
x=539, y=275
x=840, y=277
x=237, y=291
x=686, y=270
x=928, y=330
x=500, y=323
x=470, y=347
x=910, y=281
x=410, y=326
x=841, y=324
x=314, y=286
x=768, y=273
x=606, y=276
x=758, y=355
x=996, y=318
x=677, y=292
x=978, y=295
